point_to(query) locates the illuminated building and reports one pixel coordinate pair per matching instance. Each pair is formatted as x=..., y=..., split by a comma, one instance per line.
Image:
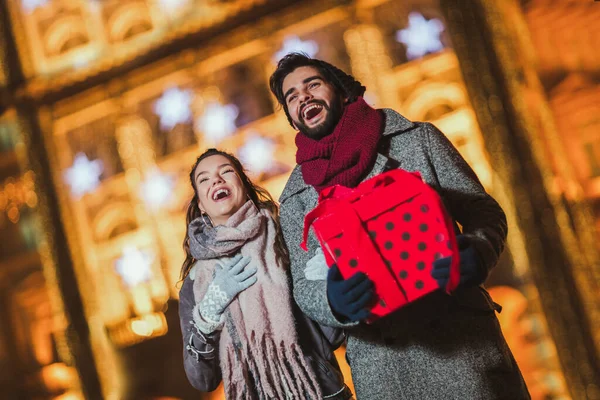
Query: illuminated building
x=104, y=105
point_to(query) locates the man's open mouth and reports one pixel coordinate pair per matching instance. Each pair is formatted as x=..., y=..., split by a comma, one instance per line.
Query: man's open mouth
x=311, y=111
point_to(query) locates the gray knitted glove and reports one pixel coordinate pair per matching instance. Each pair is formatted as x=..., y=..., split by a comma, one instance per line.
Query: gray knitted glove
x=231, y=278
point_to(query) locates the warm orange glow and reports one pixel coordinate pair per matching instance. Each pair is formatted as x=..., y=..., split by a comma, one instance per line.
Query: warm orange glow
x=138, y=329
x=58, y=377
x=69, y=396
x=141, y=328
x=528, y=339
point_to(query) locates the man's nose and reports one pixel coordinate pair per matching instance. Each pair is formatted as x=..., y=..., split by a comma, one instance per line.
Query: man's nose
x=305, y=96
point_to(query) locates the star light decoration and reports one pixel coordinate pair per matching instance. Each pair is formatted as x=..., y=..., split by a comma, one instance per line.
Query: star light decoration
x=421, y=36
x=217, y=121
x=156, y=189
x=257, y=153
x=173, y=107
x=30, y=5
x=293, y=44
x=134, y=266
x=84, y=175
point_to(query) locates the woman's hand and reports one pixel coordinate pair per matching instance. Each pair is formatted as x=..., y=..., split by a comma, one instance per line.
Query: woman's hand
x=232, y=276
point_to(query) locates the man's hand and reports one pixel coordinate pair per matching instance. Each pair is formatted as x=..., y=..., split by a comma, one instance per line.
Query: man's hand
x=470, y=272
x=316, y=268
x=349, y=297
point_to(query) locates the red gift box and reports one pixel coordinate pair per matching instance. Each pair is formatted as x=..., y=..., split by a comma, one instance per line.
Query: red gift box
x=391, y=227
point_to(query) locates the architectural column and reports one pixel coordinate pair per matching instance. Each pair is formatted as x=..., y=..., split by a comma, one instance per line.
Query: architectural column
x=56, y=259
x=491, y=43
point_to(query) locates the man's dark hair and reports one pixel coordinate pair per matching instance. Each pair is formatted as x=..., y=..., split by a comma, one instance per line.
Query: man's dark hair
x=344, y=84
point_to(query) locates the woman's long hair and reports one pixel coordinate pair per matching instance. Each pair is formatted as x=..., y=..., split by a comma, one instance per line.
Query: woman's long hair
x=259, y=196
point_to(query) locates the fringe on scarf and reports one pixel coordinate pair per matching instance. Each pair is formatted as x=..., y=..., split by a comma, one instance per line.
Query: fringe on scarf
x=278, y=371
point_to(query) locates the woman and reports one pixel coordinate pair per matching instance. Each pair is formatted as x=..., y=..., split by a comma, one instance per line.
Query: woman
x=237, y=315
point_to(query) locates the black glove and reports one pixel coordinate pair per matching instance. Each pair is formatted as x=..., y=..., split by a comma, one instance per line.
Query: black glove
x=471, y=273
x=349, y=297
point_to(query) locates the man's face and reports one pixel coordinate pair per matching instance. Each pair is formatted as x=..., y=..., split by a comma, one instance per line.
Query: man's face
x=313, y=103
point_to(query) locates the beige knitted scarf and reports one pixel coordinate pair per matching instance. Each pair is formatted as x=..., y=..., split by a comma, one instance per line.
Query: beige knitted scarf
x=258, y=349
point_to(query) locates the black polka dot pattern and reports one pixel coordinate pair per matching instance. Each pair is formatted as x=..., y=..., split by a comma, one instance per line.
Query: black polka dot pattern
x=410, y=236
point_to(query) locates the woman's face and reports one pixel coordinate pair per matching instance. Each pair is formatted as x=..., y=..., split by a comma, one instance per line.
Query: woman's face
x=219, y=188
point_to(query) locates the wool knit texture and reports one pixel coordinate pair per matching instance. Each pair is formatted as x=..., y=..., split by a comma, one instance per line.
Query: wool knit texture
x=344, y=156
x=259, y=353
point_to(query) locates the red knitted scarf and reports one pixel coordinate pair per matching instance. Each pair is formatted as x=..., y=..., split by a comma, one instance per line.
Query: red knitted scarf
x=344, y=156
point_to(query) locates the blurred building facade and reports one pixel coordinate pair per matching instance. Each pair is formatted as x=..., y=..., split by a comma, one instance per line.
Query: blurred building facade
x=105, y=104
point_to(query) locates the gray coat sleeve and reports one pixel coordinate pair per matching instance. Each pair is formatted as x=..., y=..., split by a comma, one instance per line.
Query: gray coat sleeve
x=481, y=217
x=310, y=295
x=200, y=351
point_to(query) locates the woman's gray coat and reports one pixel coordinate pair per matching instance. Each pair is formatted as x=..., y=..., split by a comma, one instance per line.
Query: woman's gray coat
x=443, y=347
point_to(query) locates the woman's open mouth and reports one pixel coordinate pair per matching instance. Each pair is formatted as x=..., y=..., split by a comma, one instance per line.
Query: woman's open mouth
x=221, y=194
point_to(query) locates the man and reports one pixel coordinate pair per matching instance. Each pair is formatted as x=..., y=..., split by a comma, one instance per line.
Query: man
x=441, y=347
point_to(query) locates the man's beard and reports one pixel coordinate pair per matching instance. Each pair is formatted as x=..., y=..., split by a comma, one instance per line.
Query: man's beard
x=334, y=113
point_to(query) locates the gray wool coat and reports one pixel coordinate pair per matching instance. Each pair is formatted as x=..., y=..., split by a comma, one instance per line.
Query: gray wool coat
x=441, y=347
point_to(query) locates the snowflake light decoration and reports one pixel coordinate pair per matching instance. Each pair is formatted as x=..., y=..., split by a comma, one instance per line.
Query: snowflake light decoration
x=217, y=121
x=257, y=153
x=84, y=175
x=134, y=266
x=30, y=5
x=293, y=44
x=173, y=107
x=421, y=36
x=156, y=189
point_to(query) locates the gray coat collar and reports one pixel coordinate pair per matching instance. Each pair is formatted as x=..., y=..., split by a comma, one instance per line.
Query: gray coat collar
x=394, y=124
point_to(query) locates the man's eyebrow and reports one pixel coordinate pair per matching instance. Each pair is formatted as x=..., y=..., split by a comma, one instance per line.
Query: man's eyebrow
x=305, y=81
